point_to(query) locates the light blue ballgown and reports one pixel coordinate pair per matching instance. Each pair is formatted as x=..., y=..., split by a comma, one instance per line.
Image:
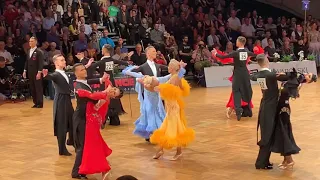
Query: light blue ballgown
x=152, y=111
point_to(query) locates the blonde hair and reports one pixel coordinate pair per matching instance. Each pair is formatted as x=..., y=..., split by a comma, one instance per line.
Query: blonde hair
x=175, y=64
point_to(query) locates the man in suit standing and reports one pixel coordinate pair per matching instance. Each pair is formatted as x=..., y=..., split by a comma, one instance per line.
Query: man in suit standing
x=79, y=116
x=62, y=105
x=241, y=86
x=268, y=82
x=34, y=67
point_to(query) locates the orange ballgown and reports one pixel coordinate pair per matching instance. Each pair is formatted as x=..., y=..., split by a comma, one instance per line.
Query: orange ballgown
x=173, y=131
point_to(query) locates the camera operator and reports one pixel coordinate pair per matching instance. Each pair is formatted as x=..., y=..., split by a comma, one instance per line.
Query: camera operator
x=4, y=75
x=199, y=56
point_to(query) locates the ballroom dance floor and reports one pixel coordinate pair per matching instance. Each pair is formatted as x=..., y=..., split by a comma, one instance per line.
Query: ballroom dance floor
x=223, y=150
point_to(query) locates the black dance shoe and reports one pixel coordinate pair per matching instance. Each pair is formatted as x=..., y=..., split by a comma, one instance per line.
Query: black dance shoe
x=268, y=167
x=65, y=154
x=79, y=177
x=148, y=140
x=239, y=114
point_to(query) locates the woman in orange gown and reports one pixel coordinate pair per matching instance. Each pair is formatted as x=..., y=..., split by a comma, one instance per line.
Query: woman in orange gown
x=95, y=149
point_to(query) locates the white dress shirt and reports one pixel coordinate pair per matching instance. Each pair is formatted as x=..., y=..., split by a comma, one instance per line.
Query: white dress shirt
x=153, y=67
x=265, y=69
x=32, y=51
x=63, y=73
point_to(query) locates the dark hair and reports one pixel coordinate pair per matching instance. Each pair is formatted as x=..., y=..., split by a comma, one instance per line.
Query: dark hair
x=120, y=94
x=75, y=66
x=126, y=177
x=2, y=59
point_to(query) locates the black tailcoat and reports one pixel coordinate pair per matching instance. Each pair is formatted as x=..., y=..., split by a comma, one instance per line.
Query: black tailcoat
x=268, y=82
x=241, y=77
x=106, y=64
x=79, y=121
x=62, y=106
x=268, y=105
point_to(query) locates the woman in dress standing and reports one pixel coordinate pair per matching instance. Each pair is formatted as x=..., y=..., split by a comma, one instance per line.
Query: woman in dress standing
x=173, y=131
x=95, y=149
x=283, y=141
x=314, y=42
x=152, y=111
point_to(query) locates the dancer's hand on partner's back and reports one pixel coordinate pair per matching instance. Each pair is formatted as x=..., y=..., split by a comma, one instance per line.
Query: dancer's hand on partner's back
x=105, y=77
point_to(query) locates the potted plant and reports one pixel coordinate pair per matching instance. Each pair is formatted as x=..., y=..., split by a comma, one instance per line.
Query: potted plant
x=286, y=58
x=311, y=57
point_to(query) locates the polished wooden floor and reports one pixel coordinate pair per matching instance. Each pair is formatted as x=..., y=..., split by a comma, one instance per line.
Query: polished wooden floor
x=223, y=149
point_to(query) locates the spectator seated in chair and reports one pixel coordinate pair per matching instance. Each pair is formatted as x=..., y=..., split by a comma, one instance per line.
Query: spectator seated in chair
x=4, y=75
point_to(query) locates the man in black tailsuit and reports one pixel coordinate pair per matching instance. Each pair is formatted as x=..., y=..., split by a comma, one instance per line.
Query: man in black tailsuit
x=106, y=64
x=151, y=68
x=33, y=69
x=79, y=115
x=241, y=86
x=268, y=82
x=62, y=105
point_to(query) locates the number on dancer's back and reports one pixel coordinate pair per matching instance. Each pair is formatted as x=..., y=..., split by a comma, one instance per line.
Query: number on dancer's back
x=243, y=56
x=109, y=66
x=262, y=83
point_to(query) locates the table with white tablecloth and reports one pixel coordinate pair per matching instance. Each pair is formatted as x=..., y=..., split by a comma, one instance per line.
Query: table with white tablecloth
x=218, y=76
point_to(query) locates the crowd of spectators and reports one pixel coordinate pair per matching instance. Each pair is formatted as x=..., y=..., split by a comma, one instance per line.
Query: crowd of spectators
x=180, y=29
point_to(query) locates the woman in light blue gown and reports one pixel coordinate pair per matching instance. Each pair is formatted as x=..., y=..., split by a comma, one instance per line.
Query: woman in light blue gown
x=152, y=111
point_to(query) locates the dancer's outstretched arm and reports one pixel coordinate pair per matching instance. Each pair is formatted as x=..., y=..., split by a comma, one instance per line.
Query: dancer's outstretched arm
x=166, y=78
x=128, y=71
x=93, y=96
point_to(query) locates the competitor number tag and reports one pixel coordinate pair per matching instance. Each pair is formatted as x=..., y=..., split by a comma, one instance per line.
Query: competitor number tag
x=243, y=56
x=262, y=83
x=109, y=66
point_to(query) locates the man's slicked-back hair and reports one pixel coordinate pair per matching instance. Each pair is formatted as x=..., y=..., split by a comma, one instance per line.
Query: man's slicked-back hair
x=148, y=48
x=109, y=48
x=261, y=59
x=242, y=40
x=55, y=57
x=75, y=66
x=33, y=37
